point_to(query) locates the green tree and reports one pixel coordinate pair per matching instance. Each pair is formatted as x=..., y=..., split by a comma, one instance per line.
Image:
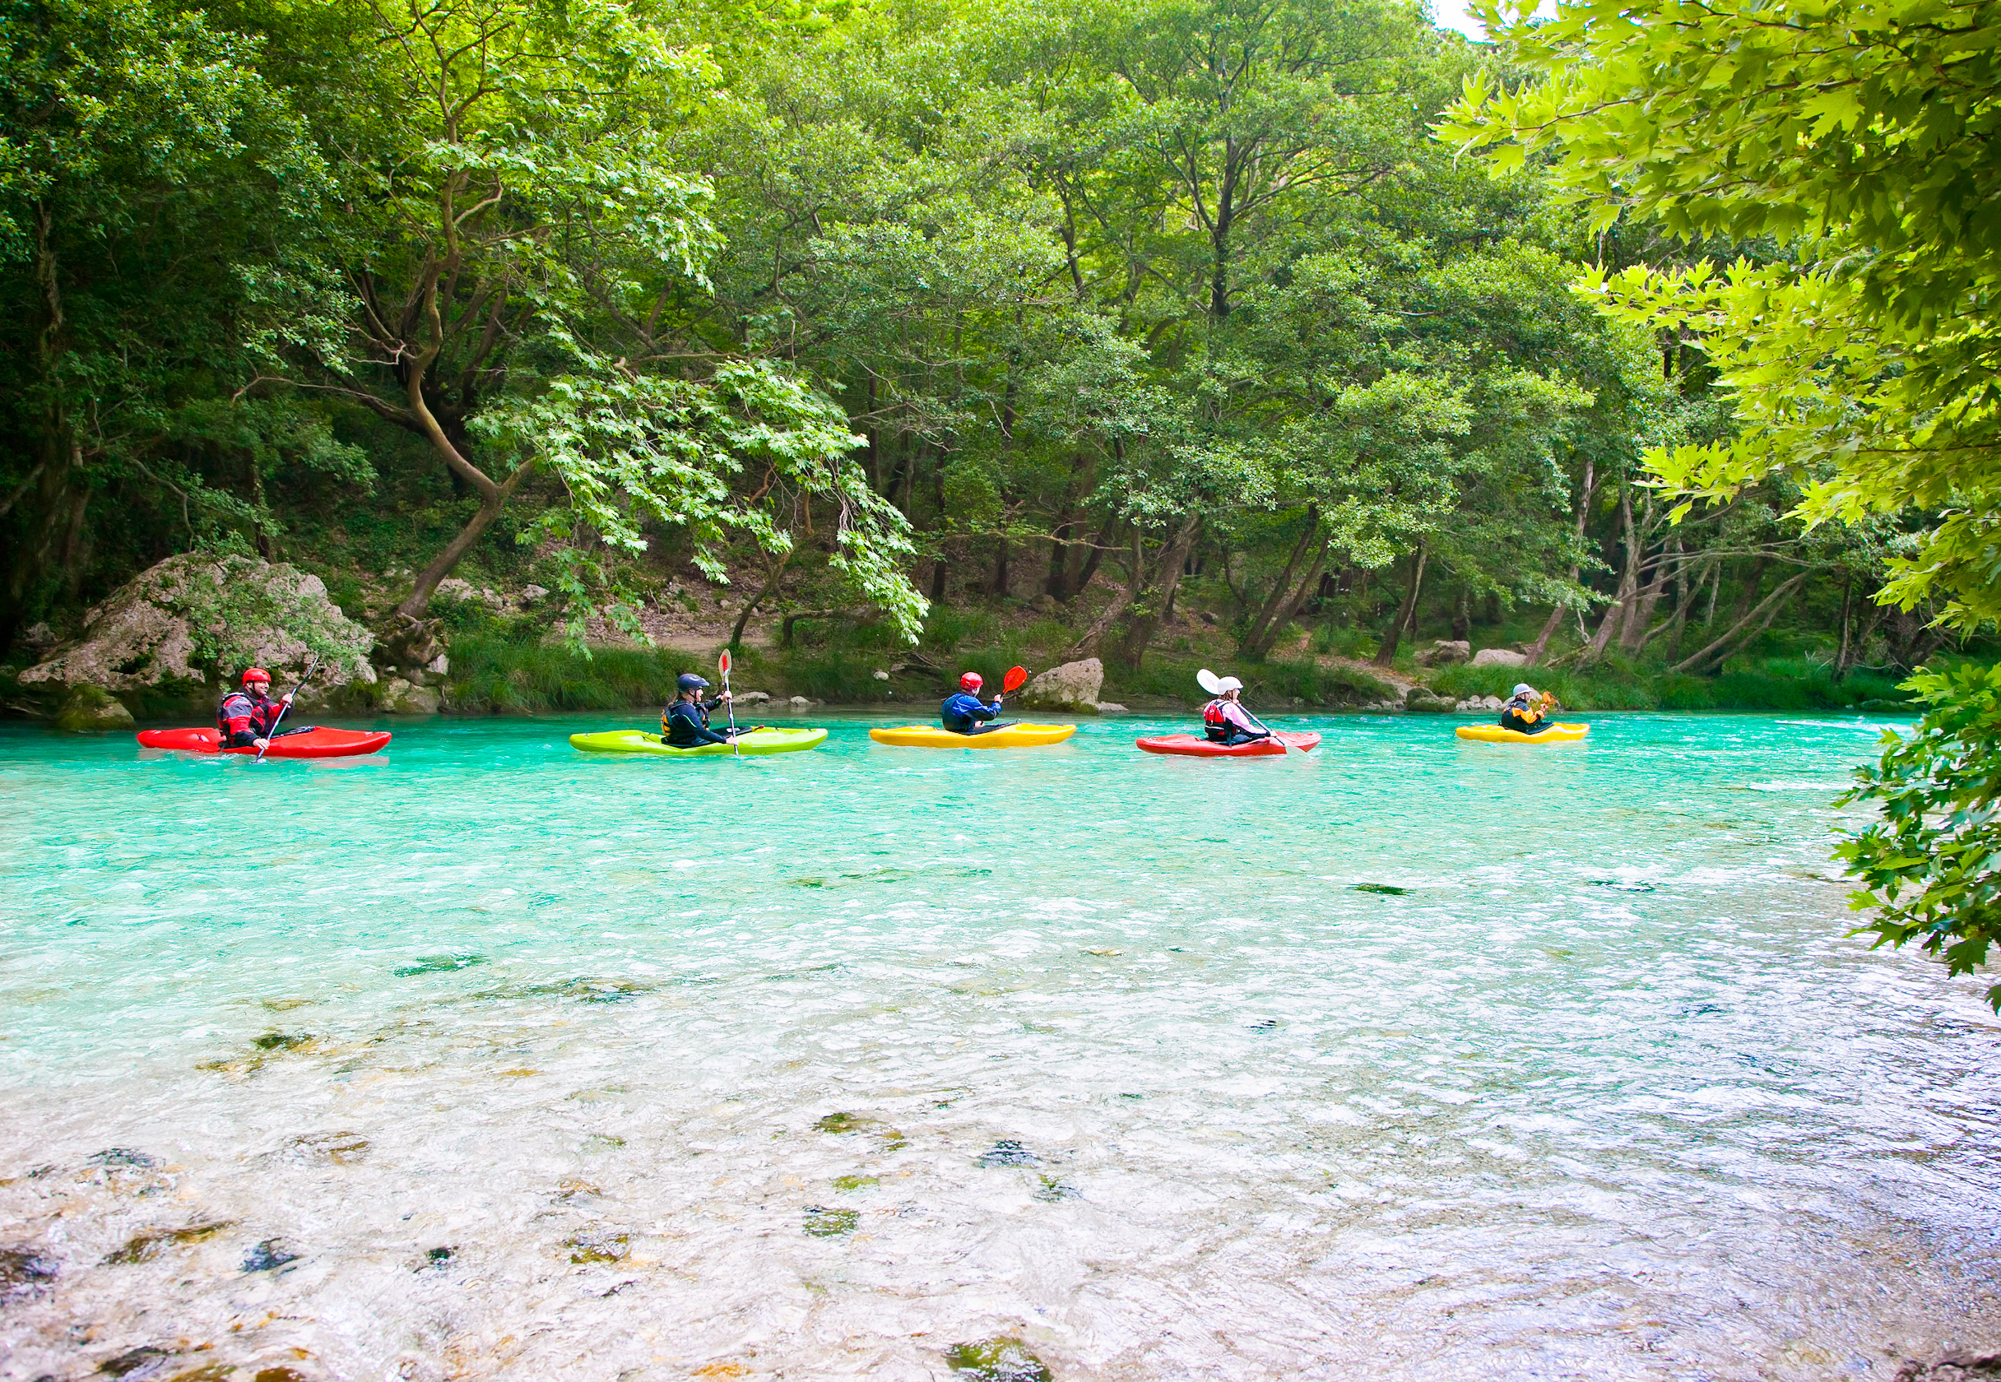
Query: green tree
x=520, y=249
x=159, y=207
x=1860, y=137
x=1931, y=867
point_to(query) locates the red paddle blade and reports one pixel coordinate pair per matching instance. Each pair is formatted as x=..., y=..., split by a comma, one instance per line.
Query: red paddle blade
x=1011, y=683
x=723, y=662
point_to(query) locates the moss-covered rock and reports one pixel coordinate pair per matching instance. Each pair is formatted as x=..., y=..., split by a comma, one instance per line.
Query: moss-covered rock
x=89, y=709
x=199, y=618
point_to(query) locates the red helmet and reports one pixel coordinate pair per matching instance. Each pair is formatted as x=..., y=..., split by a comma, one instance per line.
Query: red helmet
x=969, y=681
x=256, y=674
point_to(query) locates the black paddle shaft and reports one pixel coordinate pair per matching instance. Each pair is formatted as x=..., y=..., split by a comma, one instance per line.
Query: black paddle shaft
x=312, y=665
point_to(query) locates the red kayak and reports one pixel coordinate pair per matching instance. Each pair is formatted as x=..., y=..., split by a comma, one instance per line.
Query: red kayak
x=1195, y=746
x=312, y=743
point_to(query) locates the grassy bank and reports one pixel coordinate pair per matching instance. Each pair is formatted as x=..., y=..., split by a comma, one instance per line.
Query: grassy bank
x=1769, y=684
x=518, y=673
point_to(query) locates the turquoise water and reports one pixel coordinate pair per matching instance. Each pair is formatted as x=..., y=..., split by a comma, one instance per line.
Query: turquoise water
x=1411, y=1058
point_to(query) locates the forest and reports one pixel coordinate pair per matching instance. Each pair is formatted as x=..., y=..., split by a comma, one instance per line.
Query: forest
x=1297, y=335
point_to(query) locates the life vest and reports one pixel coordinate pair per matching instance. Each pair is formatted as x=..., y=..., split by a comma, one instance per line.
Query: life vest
x=1215, y=725
x=238, y=705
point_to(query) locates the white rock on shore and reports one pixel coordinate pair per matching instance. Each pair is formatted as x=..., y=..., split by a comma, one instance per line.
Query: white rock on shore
x=1074, y=687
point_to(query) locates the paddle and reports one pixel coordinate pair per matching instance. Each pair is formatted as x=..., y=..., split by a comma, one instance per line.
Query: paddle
x=1213, y=684
x=311, y=664
x=1011, y=682
x=729, y=701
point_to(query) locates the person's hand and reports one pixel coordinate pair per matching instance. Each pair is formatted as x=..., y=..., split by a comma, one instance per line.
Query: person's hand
x=261, y=744
x=726, y=696
x=286, y=699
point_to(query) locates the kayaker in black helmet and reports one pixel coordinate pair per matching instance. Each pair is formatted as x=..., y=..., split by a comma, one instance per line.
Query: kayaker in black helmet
x=684, y=724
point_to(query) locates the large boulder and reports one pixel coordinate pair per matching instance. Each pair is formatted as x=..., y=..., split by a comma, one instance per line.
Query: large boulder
x=400, y=697
x=1444, y=652
x=198, y=618
x=1500, y=657
x=1422, y=700
x=89, y=708
x=1073, y=687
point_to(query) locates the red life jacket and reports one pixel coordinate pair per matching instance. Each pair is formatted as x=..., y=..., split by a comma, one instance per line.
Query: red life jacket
x=1214, y=726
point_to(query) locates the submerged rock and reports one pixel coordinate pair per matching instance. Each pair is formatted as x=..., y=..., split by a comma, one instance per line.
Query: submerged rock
x=135, y=1363
x=997, y=1360
x=267, y=1256
x=598, y=1245
x=1961, y=1365
x=24, y=1271
x=829, y=1223
x=148, y=1244
x=1008, y=1152
x=439, y=964
x=124, y=1156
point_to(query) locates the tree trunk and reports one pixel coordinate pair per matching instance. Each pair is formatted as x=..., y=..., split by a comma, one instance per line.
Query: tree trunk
x=1753, y=623
x=1462, y=616
x=1629, y=580
x=1587, y=487
x=1262, y=632
x=1261, y=648
x=1406, y=612
x=1847, y=615
x=1167, y=580
x=1056, y=584
x=1087, y=566
x=750, y=605
x=1116, y=606
x=1000, y=581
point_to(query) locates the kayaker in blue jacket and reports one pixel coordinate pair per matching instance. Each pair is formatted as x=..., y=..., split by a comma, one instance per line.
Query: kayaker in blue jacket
x=964, y=714
x=684, y=724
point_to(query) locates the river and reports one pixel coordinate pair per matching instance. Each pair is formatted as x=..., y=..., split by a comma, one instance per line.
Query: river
x=1407, y=1059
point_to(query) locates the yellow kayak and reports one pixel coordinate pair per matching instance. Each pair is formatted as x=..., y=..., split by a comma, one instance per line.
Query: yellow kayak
x=1494, y=734
x=938, y=737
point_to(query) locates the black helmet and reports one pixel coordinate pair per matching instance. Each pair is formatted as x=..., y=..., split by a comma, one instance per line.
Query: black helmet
x=690, y=682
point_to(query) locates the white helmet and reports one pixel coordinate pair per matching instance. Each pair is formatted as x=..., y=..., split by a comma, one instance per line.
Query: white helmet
x=1228, y=684
x=1522, y=688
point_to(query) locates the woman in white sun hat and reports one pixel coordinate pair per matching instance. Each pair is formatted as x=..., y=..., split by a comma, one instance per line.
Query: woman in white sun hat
x=1224, y=719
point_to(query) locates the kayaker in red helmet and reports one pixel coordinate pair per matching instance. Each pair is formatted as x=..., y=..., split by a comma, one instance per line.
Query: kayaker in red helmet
x=1224, y=719
x=246, y=717
x=963, y=713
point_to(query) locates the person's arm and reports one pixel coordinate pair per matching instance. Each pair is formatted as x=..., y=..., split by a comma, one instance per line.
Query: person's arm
x=1241, y=718
x=985, y=712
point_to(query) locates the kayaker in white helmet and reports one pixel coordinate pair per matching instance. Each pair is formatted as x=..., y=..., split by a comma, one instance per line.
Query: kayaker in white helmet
x=1224, y=719
x=1526, y=710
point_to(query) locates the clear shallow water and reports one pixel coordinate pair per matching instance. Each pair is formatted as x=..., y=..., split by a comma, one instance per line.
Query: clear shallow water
x=539, y=1065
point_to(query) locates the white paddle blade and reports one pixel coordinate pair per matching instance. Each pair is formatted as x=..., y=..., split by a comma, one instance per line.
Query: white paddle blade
x=1209, y=682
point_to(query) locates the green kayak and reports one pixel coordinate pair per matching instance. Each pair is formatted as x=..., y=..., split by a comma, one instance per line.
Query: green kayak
x=758, y=741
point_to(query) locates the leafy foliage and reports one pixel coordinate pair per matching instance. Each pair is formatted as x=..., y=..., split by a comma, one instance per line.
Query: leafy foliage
x=1858, y=137
x=1931, y=867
